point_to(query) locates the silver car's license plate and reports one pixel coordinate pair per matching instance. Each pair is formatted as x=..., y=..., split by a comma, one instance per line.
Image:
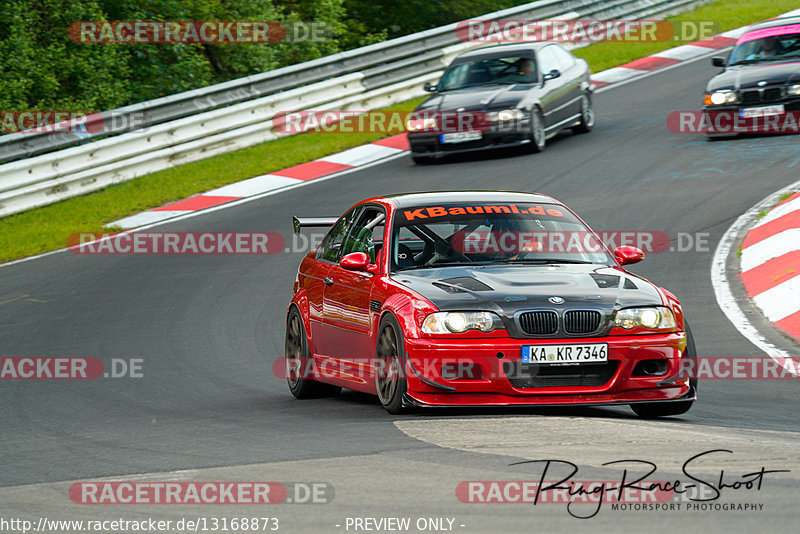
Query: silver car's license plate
x=565, y=354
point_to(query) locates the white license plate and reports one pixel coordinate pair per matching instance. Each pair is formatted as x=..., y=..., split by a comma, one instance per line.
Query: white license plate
x=763, y=111
x=460, y=137
x=565, y=354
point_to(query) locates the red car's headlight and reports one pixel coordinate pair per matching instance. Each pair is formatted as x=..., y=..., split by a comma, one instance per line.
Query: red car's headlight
x=653, y=318
x=457, y=322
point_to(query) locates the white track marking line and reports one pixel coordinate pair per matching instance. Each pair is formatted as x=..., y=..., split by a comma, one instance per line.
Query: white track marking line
x=252, y=186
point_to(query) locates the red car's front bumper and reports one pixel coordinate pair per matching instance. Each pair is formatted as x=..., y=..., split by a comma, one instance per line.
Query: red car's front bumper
x=487, y=372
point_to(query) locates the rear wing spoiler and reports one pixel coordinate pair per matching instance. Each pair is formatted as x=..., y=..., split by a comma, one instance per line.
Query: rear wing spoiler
x=312, y=222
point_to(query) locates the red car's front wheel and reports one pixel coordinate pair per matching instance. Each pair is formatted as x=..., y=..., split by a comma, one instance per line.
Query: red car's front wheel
x=390, y=368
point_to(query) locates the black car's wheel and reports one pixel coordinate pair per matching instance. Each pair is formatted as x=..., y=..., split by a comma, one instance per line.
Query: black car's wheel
x=664, y=409
x=538, y=134
x=390, y=361
x=587, y=115
x=298, y=362
x=422, y=160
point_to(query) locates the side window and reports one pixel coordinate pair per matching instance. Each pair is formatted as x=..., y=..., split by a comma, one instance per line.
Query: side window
x=564, y=58
x=547, y=59
x=369, y=225
x=331, y=247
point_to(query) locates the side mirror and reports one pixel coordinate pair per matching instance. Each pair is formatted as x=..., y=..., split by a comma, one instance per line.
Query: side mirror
x=555, y=73
x=358, y=261
x=718, y=61
x=430, y=87
x=627, y=255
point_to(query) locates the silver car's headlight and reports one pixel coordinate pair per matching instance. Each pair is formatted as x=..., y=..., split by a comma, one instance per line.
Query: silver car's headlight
x=793, y=90
x=656, y=318
x=718, y=98
x=506, y=115
x=457, y=322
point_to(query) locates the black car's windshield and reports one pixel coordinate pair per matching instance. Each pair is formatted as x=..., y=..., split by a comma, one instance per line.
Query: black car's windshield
x=489, y=71
x=476, y=234
x=770, y=44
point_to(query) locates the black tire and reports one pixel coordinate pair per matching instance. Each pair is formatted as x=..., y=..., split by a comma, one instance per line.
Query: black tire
x=651, y=410
x=422, y=160
x=587, y=119
x=390, y=360
x=538, y=135
x=298, y=362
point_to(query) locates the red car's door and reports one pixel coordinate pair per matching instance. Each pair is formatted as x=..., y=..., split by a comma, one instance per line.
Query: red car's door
x=346, y=302
x=317, y=276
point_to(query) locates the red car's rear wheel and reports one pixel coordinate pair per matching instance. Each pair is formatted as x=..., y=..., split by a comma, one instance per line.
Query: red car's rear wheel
x=299, y=371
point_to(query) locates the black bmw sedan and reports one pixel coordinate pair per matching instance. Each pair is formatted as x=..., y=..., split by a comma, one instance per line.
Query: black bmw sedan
x=519, y=94
x=761, y=77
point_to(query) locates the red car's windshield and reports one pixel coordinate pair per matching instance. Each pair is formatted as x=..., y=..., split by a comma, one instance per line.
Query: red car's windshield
x=478, y=233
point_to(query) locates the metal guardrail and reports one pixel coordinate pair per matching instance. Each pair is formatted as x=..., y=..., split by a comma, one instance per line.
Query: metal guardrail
x=39, y=169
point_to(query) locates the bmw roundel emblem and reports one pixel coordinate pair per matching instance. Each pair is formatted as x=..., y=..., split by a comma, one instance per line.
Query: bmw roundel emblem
x=556, y=300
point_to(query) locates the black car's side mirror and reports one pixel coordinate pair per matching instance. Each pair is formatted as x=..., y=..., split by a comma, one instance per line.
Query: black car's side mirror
x=718, y=61
x=555, y=73
x=430, y=87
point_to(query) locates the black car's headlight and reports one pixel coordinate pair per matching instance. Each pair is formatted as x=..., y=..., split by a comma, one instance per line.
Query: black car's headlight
x=793, y=90
x=654, y=318
x=420, y=123
x=457, y=322
x=717, y=98
x=506, y=115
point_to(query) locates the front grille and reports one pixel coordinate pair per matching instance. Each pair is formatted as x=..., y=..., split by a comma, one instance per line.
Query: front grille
x=751, y=97
x=541, y=323
x=770, y=94
x=773, y=94
x=581, y=322
x=525, y=376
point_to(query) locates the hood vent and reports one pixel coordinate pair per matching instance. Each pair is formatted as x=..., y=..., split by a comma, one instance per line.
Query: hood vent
x=472, y=284
x=605, y=280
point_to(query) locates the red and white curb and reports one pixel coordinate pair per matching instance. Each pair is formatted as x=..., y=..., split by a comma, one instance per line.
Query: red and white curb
x=667, y=58
x=370, y=153
x=305, y=172
x=770, y=264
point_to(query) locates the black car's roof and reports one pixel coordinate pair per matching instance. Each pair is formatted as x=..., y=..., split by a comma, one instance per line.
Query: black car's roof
x=772, y=23
x=433, y=198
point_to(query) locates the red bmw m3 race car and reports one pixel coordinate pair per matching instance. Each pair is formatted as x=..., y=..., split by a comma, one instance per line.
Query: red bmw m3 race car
x=482, y=298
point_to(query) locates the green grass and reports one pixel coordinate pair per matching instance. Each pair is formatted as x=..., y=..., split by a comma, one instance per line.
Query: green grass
x=47, y=228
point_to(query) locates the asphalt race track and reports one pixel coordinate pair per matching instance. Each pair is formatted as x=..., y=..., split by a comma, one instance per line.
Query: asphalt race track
x=208, y=329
